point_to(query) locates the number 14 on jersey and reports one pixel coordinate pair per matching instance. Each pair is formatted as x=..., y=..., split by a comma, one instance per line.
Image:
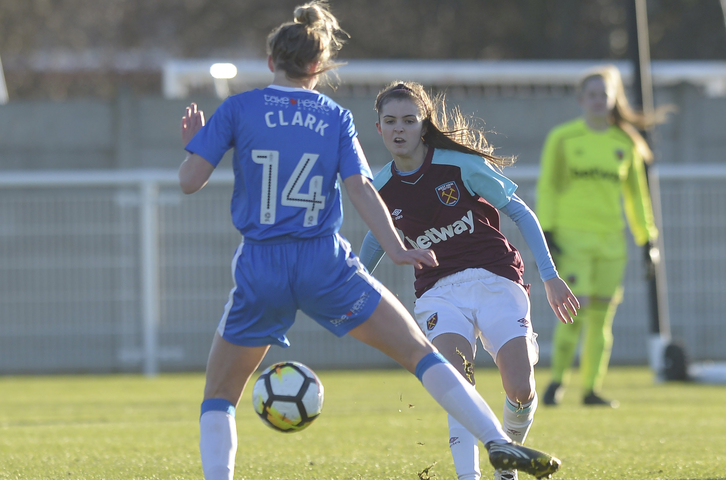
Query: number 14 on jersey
x=313, y=201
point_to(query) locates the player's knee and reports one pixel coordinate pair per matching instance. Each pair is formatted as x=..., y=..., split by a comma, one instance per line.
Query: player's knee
x=521, y=391
x=524, y=395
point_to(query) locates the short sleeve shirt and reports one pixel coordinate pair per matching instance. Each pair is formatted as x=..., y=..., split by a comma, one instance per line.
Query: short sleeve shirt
x=290, y=145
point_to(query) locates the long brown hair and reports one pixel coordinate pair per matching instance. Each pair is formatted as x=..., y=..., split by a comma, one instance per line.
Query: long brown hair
x=314, y=37
x=622, y=115
x=450, y=130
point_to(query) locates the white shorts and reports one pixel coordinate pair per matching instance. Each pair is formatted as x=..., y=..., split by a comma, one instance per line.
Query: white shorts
x=476, y=303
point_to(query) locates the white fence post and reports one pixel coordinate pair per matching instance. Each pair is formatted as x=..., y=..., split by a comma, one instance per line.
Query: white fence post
x=150, y=274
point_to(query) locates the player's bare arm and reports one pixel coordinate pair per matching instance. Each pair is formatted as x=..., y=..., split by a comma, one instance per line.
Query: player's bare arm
x=372, y=210
x=194, y=173
x=561, y=299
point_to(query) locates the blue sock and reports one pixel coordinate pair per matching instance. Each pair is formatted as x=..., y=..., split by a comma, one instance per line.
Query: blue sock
x=219, y=404
x=217, y=438
x=433, y=358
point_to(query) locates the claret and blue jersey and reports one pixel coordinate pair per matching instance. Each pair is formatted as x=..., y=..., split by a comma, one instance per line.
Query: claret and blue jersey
x=289, y=144
x=450, y=206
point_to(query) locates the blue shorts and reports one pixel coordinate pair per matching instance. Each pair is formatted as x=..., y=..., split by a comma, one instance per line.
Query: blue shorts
x=319, y=276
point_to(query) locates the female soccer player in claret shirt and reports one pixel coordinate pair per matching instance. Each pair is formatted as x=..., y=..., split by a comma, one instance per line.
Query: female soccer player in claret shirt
x=444, y=192
x=593, y=172
x=290, y=144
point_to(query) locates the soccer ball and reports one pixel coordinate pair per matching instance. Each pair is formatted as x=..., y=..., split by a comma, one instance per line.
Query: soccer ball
x=288, y=396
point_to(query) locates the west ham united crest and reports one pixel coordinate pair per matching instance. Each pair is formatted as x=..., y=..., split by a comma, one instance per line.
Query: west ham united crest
x=448, y=193
x=432, y=321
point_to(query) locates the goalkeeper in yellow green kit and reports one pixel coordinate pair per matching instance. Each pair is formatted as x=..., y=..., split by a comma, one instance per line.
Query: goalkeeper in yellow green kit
x=593, y=169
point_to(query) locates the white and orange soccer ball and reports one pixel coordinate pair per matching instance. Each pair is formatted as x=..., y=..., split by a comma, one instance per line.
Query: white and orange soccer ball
x=288, y=396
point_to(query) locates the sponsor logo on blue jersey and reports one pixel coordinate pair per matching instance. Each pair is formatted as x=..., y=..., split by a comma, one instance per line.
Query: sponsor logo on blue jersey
x=301, y=103
x=354, y=310
x=275, y=100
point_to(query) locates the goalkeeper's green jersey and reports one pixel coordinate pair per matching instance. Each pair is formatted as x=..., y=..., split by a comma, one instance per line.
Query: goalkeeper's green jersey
x=589, y=177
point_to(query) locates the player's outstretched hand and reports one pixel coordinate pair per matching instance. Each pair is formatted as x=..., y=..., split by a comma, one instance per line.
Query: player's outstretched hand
x=562, y=300
x=416, y=257
x=191, y=123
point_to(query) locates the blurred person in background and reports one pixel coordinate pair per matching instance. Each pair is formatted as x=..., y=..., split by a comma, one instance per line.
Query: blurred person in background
x=592, y=178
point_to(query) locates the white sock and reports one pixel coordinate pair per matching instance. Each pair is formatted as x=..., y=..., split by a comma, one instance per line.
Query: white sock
x=217, y=442
x=465, y=450
x=459, y=399
x=517, y=419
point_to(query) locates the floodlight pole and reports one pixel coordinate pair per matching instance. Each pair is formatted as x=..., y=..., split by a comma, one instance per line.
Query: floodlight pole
x=4, y=97
x=639, y=45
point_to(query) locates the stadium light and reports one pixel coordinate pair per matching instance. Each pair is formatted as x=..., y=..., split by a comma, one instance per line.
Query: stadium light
x=222, y=73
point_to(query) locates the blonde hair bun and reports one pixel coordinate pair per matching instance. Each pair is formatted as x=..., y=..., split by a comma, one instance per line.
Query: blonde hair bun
x=308, y=14
x=312, y=39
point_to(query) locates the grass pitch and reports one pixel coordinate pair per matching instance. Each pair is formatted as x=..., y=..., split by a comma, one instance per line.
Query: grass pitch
x=375, y=425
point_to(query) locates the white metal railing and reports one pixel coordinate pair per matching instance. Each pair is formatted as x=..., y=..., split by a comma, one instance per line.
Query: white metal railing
x=148, y=182
x=155, y=194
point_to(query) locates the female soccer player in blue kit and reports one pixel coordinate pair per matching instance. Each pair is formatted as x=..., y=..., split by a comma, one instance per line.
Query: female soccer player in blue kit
x=290, y=144
x=444, y=192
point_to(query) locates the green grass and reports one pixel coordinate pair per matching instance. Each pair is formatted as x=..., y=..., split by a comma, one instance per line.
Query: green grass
x=375, y=425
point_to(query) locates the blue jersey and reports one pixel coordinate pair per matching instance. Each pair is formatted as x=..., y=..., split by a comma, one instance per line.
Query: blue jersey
x=290, y=145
